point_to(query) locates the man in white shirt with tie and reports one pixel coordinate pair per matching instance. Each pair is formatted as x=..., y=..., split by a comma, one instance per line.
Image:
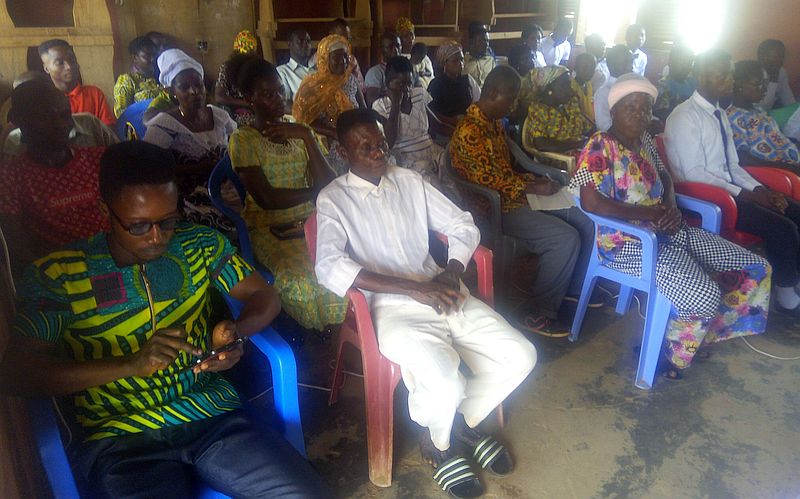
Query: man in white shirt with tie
x=556, y=48
x=700, y=148
x=373, y=225
x=635, y=36
x=293, y=72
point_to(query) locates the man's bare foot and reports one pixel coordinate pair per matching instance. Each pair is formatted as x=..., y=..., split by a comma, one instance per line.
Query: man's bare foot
x=432, y=455
x=453, y=473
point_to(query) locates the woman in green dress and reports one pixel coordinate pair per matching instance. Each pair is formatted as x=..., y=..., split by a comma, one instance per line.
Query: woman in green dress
x=282, y=164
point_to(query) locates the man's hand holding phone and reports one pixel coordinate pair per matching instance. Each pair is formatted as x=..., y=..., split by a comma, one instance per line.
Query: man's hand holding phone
x=227, y=348
x=160, y=351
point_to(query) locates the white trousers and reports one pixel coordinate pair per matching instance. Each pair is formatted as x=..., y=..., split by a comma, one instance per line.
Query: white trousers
x=429, y=348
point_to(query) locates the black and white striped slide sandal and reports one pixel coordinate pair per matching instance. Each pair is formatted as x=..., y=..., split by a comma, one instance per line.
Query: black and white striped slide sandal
x=492, y=456
x=455, y=476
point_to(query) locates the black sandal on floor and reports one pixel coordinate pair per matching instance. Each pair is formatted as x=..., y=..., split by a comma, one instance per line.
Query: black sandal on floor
x=455, y=476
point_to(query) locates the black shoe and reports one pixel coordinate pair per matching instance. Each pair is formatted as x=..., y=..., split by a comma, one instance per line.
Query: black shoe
x=791, y=312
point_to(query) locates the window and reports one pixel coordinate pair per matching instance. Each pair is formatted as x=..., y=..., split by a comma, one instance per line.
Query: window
x=40, y=13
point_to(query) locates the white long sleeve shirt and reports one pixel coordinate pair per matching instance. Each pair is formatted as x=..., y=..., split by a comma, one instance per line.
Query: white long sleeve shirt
x=639, y=62
x=555, y=54
x=384, y=229
x=602, y=113
x=778, y=92
x=696, y=150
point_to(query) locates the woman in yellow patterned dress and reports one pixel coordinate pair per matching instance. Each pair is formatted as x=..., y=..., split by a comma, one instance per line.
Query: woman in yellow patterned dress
x=283, y=167
x=555, y=122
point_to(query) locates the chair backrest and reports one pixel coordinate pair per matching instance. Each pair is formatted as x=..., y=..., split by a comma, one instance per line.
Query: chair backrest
x=568, y=162
x=222, y=172
x=132, y=118
x=492, y=224
x=706, y=192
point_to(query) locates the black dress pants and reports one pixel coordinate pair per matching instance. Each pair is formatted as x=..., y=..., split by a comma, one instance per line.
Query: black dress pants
x=780, y=234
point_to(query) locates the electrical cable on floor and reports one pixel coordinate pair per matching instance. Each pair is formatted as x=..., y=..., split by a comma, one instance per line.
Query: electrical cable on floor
x=766, y=354
x=304, y=385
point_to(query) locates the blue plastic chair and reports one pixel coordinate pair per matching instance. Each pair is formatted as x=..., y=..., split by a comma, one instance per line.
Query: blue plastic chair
x=284, y=386
x=132, y=116
x=658, y=306
x=222, y=172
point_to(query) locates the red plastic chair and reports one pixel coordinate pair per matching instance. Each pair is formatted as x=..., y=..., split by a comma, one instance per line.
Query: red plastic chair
x=721, y=198
x=381, y=375
x=779, y=180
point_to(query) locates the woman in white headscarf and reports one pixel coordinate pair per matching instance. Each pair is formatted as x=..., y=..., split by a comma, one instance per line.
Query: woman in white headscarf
x=197, y=133
x=718, y=290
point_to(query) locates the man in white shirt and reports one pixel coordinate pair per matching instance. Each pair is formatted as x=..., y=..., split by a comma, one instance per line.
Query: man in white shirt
x=532, y=36
x=372, y=234
x=619, y=61
x=596, y=46
x=635, y=36
x=479, y=61
x=293, y=72
x=701, y=148
x=771, y=54
x=556, y=48
x=375, y=81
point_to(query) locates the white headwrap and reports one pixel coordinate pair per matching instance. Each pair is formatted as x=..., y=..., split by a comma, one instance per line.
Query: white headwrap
x=630, y=83
x=173, y=61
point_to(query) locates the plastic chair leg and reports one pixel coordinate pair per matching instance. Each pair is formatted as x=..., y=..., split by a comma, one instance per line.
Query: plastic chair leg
x=624, y=299
x=580, y=312
x=655, y=327
x=284, y=384
x=380, y=424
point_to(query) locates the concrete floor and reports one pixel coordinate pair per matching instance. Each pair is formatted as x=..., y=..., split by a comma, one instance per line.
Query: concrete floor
x=578, y=427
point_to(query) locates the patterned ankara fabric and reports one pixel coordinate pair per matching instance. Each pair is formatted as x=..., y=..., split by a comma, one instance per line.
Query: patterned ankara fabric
x=672, y=92
x=566, y=122
x=480, y=154
x=241, y=115
x=59, y=204
x=189, y=147
x=79, y=298
x=535, y=82
x=134, y=87
x=285, y=166
x=759, y=134
x=718, y=289
x=245, y=42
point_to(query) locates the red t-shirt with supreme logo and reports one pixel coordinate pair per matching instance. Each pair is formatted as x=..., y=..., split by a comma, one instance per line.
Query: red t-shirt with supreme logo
x=58, y=204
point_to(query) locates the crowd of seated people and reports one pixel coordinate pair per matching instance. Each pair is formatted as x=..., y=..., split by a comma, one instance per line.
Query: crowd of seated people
x=365, y=152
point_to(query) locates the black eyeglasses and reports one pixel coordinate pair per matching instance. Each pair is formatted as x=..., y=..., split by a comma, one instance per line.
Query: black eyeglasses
x=141, y=228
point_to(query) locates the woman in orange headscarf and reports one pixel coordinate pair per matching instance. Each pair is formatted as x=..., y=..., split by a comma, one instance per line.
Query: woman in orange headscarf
x=326, y=94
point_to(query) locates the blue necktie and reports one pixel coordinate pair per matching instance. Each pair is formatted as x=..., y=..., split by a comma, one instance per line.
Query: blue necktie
x=724, y=140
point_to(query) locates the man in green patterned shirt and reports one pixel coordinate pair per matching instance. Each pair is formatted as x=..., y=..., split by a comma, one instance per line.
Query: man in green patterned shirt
x=117, y=321
x=140, y=83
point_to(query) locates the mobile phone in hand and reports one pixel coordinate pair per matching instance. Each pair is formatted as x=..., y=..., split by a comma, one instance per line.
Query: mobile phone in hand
x=216, y=353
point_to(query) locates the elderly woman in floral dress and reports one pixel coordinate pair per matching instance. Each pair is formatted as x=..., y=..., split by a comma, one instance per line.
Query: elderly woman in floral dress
x=718, y=290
